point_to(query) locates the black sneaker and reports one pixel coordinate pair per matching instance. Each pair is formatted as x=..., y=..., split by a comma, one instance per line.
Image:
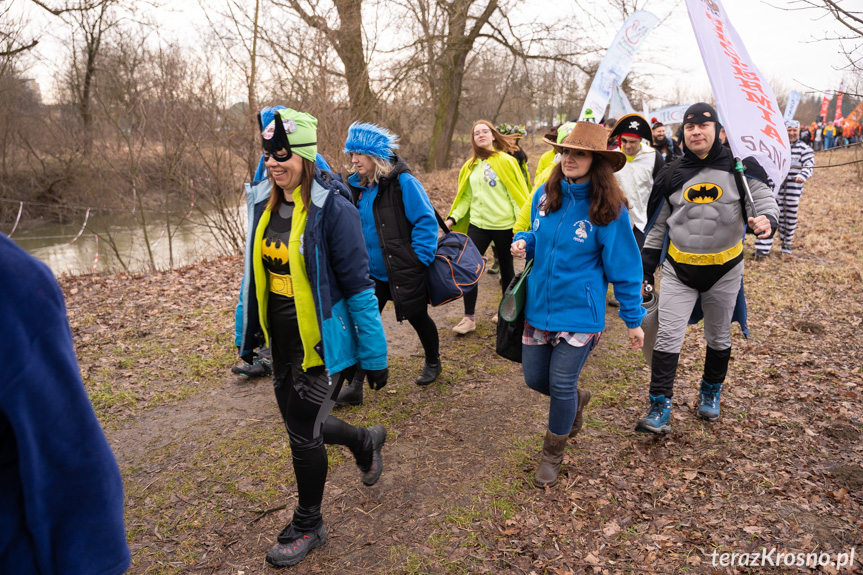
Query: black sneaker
x=261, y=368
x=293, y=551
x=379, y=436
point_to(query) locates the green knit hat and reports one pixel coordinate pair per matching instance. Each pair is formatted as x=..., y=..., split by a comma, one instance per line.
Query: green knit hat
x=564, y=130
x=296, y=132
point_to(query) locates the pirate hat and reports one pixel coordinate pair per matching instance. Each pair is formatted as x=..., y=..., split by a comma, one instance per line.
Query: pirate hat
x=633, y=125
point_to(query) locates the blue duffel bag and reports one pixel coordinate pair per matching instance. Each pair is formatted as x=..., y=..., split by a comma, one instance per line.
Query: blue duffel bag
x=456, y=268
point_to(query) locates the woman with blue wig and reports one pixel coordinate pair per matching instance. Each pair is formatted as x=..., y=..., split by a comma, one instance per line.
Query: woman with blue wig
x=309, y=295
x=400, y=234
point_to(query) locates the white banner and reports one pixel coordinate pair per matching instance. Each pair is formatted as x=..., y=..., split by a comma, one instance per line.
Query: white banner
x=669, y=114
x=619, y=105
x=791, y=105
x=617, y=61
x=745, y=101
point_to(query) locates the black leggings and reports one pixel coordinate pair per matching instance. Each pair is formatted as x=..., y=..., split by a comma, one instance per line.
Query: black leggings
x=502, y=241
x=422, y=323
x=305, y=399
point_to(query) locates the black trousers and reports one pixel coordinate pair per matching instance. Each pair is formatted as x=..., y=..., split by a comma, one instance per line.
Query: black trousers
x=502, y=241
x=422, y=323
x=305, y=399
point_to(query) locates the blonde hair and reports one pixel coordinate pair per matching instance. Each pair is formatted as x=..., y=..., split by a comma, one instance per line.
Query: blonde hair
x=382, y=170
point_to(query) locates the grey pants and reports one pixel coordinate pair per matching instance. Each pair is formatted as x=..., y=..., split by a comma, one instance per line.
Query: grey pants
x=676, y=301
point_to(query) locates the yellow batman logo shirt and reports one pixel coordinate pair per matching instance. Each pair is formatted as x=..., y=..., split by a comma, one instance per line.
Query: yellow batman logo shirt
x=702, y=193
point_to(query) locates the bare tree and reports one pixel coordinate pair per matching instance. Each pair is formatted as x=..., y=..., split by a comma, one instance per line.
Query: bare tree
x=347, y=39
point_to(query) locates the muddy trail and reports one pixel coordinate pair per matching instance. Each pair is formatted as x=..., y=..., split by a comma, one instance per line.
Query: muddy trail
x=208, y=474
x=435, y=458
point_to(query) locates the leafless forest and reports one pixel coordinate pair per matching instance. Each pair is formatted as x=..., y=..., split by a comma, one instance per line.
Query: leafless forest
x=138, y=124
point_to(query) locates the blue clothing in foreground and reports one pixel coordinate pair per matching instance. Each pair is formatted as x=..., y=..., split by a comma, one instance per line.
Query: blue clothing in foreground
x=419, y=212
x=61, y=494
x=573, y=262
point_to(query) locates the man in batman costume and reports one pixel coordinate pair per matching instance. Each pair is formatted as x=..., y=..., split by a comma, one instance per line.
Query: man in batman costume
x=697, y=217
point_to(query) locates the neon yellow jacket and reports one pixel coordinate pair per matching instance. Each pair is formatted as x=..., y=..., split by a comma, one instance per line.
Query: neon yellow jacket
x=522, y=221
x=507, y=169
x=545, y=160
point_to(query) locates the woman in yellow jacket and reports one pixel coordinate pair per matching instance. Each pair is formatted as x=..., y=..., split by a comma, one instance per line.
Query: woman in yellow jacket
x=491, y=190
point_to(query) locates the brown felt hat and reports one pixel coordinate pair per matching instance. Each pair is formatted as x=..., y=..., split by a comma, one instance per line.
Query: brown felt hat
x=591, y=138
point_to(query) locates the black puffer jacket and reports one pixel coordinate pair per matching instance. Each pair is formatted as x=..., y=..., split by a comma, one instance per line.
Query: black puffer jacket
x=405, y=272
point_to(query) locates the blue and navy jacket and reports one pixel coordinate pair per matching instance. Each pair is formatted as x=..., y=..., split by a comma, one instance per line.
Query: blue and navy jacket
x=337, y=265
x=400, y=232
x=573, y=262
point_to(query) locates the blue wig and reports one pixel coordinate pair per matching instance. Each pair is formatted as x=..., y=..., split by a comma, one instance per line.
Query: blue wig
x=370, y=140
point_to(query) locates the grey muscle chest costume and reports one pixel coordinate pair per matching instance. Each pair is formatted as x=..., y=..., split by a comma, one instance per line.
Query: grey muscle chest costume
x=704, y=221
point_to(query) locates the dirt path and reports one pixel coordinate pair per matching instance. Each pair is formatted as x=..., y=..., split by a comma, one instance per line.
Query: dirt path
x=434, y=459
x=208, y=472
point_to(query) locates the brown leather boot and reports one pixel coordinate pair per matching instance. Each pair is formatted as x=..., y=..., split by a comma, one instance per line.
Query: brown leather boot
x=552, y=457
x=583, y=400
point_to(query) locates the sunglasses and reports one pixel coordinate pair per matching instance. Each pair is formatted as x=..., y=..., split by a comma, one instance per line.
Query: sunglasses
x=281, y=158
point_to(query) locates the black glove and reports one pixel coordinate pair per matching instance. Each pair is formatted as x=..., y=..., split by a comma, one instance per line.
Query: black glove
x=377, y=377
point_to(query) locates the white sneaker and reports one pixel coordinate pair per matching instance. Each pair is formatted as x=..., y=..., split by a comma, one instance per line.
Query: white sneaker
x=494, y=319
x=466, y=325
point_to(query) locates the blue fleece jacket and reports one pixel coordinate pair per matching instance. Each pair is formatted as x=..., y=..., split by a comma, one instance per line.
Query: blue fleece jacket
x=419, y=212
x=573, y=262
x=61, y=494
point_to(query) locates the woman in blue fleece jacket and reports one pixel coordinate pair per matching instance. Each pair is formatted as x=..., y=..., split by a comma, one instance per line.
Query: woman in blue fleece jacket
x=580, y=240
x=400, y=233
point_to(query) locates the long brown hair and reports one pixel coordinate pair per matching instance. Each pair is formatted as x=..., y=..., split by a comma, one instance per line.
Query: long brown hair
x=500, y=142
x=277, y=194
x=606, y=197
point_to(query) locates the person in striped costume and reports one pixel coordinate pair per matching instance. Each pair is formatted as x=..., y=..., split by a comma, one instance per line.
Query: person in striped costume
x=788, y=197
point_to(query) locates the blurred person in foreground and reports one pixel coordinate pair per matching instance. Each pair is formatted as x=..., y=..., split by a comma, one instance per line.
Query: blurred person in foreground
x=61, y=493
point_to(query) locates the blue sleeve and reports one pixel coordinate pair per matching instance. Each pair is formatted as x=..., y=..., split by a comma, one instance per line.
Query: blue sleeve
x=321, y=163
x=61, y=493
x=420, y=213
x=371, y=339
x=350, y=262
x=238, y=317
x=621, y=262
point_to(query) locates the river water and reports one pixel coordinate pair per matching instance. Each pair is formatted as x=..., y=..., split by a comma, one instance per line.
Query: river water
x=53, y=244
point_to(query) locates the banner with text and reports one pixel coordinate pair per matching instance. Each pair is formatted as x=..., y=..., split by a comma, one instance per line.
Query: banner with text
x=669, y=114
x=791, y=105
x=617, y=61
x=745, y=101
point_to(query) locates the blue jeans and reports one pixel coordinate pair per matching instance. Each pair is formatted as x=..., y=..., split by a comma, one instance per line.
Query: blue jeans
x=554, y=371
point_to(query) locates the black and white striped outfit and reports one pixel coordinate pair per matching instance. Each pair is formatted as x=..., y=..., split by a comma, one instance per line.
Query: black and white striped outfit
x=788, y=198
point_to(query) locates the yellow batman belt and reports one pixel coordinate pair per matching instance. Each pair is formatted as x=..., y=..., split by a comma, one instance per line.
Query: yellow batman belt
x=281, y=284
x=705, y=259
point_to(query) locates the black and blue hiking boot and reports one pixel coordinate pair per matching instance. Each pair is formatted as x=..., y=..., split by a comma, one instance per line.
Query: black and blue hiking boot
x=658, y=418
x=708, y=401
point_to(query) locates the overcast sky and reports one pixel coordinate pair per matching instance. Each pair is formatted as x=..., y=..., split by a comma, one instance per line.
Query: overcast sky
x=783, y=44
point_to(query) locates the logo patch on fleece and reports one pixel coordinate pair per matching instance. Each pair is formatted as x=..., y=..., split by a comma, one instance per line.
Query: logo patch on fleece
x=582, y=230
